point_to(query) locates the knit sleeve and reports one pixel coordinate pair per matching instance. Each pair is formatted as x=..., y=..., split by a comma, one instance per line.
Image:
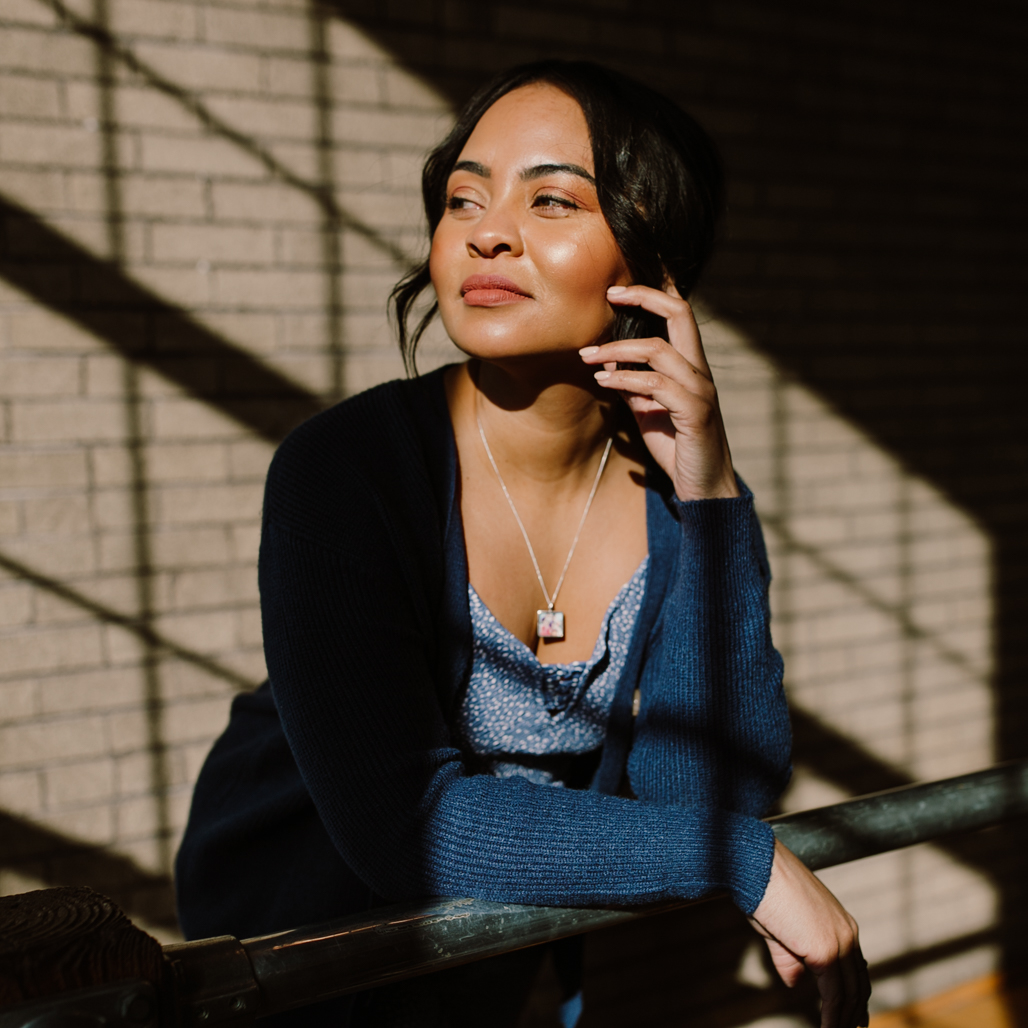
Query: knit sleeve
x=349, y=652
x=713, y=726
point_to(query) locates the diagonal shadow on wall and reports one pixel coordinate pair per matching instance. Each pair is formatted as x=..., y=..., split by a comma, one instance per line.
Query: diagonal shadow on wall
x=58, y=859
x=96, y=295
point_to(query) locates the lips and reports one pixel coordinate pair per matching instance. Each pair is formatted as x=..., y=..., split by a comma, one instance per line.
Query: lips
x=491, y=291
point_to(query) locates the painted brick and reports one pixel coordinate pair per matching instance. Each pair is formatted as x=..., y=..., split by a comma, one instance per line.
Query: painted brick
x=24, y=469
x=257, y=201
x=402, y=89
x=300, y=160
x=153, y=18
x=245, y=541
x=247, y=663
x=105, y=378
x=397, y=128
x=20, y=793
x=215, y=243
x=10, y=517
x=42, y=191
x=190, y=419
x=248, y=625
x=29, y=50
x=15, y=609
x=203, y=68
x=188, y=462
x=52, y=555
x=27, y=13
x=134, y=107
x=194, y=590
x=212, y=503
x=19, y=700
x=204, y=155
x=191, y=547
x=189, y=721
x=206, y=632
x=136, y=818
x=186, y=287
x=88, y=782
x=347, y=41
x=62, y=515
x=134, y=774
x=24, y=97
x=36, y=330
x=80, y=420
x=52, y=741
x=265, y=31
x=155, y=195
x=259, y=118
x=99, y=690
x=256, y=331
x=278, y=289
x=249, y=460
x=89, y=824
x=114, y=508
x=41, y=378
x=181, y=680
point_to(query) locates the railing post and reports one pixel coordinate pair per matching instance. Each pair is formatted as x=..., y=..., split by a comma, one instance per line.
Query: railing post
x=70, y=956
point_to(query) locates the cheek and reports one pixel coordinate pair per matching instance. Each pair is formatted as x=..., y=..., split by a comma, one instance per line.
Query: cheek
x=585, y=268
x=438, y=262
x=442, y=270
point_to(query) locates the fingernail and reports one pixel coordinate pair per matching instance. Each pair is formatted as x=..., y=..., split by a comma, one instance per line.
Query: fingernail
x=600, y=376
x=617, y=289
x=588, y=351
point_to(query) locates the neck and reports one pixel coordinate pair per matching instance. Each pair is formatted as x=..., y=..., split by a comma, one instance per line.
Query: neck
x=544, y=422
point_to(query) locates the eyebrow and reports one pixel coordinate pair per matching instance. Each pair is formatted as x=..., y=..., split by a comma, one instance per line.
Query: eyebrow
x=536, y=171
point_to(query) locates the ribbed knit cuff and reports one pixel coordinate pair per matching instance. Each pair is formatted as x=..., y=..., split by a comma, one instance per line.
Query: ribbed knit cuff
x=753, y=856
x=719, y=850
x=707, y=513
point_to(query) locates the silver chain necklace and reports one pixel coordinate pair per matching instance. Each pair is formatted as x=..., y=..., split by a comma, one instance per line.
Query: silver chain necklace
x=549, y=623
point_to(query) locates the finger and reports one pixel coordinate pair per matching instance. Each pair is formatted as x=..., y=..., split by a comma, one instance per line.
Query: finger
x=850, y=972
x=683, y=332
x=671, y=395
x=865, y=990
x=652, y=351
x=830, y=986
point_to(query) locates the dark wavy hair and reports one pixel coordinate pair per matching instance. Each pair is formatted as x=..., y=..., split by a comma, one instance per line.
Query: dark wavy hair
x=659, y=183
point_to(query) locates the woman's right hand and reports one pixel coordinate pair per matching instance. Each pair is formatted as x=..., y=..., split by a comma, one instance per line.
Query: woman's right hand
x=806, y=927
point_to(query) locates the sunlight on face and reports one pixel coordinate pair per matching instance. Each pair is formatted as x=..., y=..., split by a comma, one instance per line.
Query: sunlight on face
x=523, y=256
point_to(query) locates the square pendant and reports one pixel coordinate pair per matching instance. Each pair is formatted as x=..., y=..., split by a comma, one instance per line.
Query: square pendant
x=549, y=624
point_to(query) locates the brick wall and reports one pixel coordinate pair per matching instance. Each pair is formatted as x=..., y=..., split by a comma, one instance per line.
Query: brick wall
x=202, y=208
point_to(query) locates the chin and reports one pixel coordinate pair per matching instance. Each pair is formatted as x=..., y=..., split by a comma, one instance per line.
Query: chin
x=500, y=338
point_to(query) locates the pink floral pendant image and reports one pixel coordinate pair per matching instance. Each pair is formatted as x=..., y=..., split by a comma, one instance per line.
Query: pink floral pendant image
x=549, y=624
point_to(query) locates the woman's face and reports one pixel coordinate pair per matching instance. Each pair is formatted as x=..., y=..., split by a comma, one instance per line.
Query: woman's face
x=523, y=256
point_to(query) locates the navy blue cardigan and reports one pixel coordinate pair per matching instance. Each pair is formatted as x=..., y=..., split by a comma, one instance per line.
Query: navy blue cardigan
x=341, y=786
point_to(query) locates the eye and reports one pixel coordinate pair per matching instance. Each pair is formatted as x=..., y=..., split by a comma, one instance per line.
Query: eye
x=558, y=204
x=460, y=203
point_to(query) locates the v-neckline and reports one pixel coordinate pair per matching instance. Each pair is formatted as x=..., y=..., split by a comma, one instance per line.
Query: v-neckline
x=574, y=665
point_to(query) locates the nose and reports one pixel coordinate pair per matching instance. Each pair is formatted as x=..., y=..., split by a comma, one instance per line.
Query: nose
x=496, y=231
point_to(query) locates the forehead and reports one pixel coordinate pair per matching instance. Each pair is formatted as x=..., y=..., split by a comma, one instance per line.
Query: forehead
x=536, y=124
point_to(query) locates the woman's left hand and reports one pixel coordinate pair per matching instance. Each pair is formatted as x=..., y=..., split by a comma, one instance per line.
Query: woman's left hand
x=674, y=401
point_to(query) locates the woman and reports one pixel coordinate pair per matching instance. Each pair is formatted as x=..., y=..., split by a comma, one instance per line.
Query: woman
x=515, y=612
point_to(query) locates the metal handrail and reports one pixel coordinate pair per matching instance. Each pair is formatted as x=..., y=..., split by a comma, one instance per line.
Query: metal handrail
x=223, y=979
